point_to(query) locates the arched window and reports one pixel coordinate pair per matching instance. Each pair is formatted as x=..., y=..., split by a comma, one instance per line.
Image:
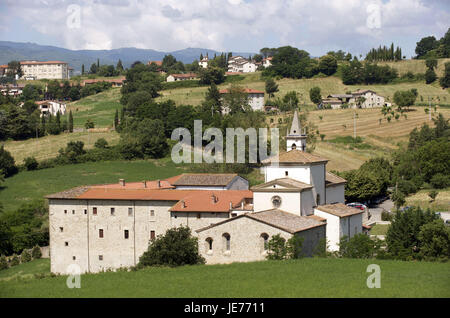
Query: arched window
x=264, y=239
x=294, y=146
x=226, y=241
x=209, y=244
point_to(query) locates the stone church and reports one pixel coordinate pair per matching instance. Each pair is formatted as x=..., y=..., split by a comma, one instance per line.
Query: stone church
x=110, y=226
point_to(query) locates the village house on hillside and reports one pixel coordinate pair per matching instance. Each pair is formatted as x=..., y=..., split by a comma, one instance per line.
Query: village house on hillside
x=255, y=98
x=115, y=82
x=238, y=64
x=12, y=90
x=49, y=107
x=35, y=70
x=181, y=77
x=358, y=99
x=204, y=62
x=110, y=226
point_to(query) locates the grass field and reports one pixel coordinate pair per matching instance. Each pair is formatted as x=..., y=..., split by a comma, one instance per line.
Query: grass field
x=416, y=66
x=99, y=108
x=421, y=198
x=48, y=146
x=310, y=277
x=30, y=185
x=379, y=229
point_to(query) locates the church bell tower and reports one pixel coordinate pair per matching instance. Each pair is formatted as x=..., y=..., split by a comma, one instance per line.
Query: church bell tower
x=294, y=137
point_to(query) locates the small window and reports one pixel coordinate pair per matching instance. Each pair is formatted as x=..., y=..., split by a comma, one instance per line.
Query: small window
x=276, y=201
x=61, y=229
x=227, y=241
x=73, y=211
x=94, y=211
x=152, y=212
x=74, y=258
x=66, y=243
x=130, y=211
x=100, y=257
x=199, y=215
x=264, y=241
x=113, y=210
x=152, y=235
x=318, y=199
x=100, y=233
x=85, y=211
x=65, y=211
x=209, y=244
x=126, y=234
x=286, y=173
x=233, y=215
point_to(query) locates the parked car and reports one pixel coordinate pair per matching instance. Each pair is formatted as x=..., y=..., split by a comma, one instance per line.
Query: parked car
x=357, y=205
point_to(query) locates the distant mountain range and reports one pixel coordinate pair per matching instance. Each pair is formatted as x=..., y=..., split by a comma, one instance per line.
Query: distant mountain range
x=10, y=51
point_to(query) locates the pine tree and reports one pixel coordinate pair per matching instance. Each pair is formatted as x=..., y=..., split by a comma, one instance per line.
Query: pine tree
x=98, y=63
x=70, y=122
x=119, y=66
x=201, y=56
x=58, y=123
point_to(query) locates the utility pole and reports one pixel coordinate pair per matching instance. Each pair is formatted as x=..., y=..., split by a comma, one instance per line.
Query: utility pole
x=354, y=125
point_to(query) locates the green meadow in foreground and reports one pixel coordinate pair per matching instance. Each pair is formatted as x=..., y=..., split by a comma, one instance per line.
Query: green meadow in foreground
x=309, y=277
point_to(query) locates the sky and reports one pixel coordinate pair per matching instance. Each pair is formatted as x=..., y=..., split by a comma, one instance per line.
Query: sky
x=317, y=26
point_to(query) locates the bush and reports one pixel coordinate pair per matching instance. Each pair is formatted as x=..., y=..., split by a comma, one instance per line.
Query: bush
x=31, y=163
x=14, y=260
x=276, y=248
x=36, y=252
x=101, y=143
x=359, y=246
x=386, y=216
x=440, y=181
x=176, y=247
x=3, y=262
x=25, y=257
x=434, y=240
x=294, y=247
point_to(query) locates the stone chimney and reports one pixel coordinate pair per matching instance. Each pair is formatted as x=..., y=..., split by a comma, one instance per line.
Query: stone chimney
x=213, y=198
x=122, y=182
x=145, y=184
x=231, y=205
x=158, y=183
x=183, y=204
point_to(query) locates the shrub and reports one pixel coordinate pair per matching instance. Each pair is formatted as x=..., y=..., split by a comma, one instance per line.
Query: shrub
x=175, y=248
x=25, y=257
x=101, y=143
x=31, y=163
x=440, y=181
x=433, y=194
x=14, y=260
x=359, y=246
x=3, y=262
x=434, y=240
x=294, y=247
x=386, y=216
x=276, y=248
x=36, y=252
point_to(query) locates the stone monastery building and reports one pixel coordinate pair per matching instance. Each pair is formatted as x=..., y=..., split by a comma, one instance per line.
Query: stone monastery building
x=110, y=226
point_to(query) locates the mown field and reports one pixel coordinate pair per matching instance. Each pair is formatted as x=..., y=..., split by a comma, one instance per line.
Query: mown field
x=31, y=185
x=309, y=277
x=422, y=199
x=48, y=146
x=416, y=66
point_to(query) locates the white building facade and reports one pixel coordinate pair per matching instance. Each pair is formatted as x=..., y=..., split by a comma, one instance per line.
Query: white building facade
x=45, y=70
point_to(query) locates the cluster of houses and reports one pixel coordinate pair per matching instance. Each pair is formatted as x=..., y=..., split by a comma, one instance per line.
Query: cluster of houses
x=360, y=99
x=110, y=226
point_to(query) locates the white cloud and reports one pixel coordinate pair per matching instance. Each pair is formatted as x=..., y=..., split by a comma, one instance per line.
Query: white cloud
x=244, y=25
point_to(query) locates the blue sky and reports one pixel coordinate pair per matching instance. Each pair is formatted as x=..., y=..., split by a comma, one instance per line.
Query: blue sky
x=225, y=25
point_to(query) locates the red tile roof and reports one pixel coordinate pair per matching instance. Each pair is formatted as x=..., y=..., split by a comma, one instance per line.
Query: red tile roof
x=159, y=63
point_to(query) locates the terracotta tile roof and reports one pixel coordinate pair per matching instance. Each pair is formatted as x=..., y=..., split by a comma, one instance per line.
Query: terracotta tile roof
x=318, y=218
x=339, y=209
x=245, y=90
x=211, y=201
x=332, y=179
x=204, y=179
x=296, y=156
x=159, y=63
x=113, y=80
x=287, y=184
x=163, y=184
x=280, y=219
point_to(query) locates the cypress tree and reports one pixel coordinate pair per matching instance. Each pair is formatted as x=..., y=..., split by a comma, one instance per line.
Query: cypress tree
x=70, y=122
x=58, y=123
x=43, y=125
x=82, y=69
x=98, y=64
x=116, y=119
